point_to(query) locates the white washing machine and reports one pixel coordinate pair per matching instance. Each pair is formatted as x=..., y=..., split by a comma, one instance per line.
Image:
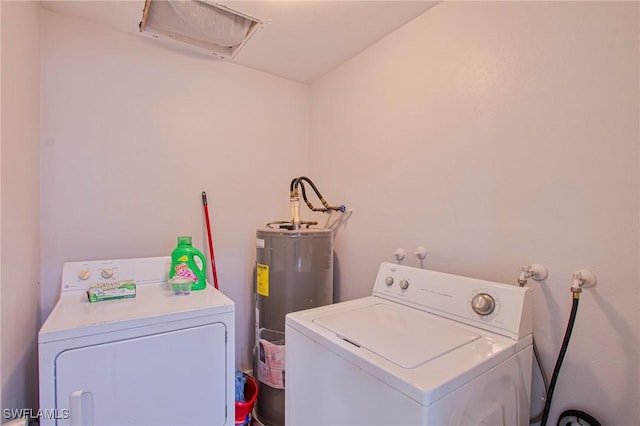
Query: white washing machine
x=427, y=348
x=156, y=359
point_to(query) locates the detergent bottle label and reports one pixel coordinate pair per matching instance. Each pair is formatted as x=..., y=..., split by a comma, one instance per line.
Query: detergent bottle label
x=182, y=269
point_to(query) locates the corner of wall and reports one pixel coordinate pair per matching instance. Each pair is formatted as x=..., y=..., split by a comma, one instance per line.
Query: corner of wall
x=20, y=59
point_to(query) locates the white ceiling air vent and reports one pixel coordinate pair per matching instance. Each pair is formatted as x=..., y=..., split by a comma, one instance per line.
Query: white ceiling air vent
x=199, y=24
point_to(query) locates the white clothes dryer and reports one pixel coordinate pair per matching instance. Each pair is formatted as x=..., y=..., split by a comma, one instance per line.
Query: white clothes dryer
x=427, y=348
x=156, y=359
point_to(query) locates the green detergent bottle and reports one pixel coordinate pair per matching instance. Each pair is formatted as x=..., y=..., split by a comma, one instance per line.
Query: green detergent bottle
x=184, y=263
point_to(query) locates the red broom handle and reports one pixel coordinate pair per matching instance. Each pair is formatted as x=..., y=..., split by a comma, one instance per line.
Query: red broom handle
x=213, y=259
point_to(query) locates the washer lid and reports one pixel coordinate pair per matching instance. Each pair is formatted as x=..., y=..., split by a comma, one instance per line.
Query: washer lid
x=386, y=330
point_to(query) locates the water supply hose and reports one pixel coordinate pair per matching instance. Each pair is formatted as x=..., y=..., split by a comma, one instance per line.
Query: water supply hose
x=299, y=182
x=576, y=291
x=294, y=203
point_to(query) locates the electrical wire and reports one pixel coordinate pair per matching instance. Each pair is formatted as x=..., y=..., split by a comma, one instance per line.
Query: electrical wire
x=328, y=221
x=563, y=351
x=336, y=223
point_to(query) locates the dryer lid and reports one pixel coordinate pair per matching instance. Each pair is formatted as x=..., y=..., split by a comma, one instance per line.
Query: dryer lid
x=400, y=334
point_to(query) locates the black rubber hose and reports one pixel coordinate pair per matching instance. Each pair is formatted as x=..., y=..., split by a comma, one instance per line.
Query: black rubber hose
x=298, y=182
x=313, y=186
x=311, y=207
x=563, y=351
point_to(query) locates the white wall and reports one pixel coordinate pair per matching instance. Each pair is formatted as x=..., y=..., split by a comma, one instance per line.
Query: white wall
x=133, y=132
x=499, y=134
x=20, y=181
x=0, y=205
x=494, y=134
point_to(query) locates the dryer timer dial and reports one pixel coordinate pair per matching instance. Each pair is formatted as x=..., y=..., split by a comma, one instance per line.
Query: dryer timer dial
x=483, y=304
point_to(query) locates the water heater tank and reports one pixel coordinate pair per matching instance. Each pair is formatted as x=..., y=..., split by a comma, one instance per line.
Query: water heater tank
x=294, y=271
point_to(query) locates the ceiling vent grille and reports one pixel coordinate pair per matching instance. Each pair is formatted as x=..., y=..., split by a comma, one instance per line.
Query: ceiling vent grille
x=199, y=24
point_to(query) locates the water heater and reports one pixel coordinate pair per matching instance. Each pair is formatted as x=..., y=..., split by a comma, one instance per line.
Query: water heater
x=294, y=271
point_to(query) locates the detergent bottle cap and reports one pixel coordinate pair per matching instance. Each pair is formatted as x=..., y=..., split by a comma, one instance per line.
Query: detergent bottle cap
x=184, y=241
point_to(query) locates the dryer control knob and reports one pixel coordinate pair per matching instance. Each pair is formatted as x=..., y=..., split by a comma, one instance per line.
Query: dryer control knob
x=388, y=281
x=84, y=274
x=483, y=304
x=107, y=273
x=404, y=284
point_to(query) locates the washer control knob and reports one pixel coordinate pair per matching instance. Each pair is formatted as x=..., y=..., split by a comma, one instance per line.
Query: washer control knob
x=84, y=274
x=107, y=273
x=388, y=281
x=483, y=304
x=404, y=284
